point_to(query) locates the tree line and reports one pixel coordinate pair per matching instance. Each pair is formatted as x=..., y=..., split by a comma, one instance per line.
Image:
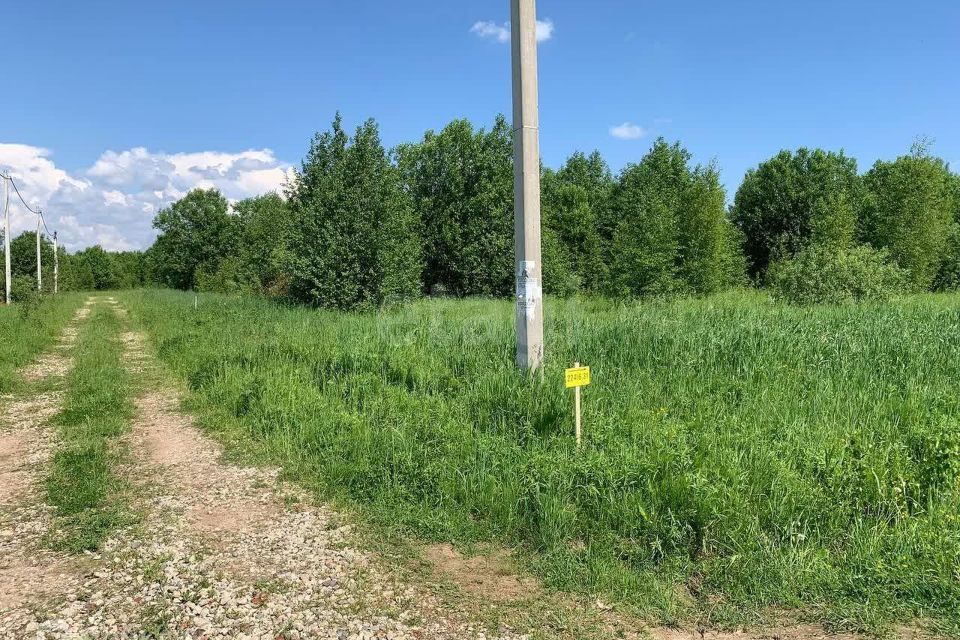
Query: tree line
x=92, y=269
x=359, y=226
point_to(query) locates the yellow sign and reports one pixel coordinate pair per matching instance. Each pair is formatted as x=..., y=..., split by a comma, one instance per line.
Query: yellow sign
x=577, y=377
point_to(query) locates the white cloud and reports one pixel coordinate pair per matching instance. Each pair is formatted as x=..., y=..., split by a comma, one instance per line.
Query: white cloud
x=628, y=131
x=501, y=32
x=544, y=30
x=113, y=202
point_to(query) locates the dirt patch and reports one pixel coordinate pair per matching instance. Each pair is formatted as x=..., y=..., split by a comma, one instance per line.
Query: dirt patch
x=166, y=437
x=28, y=573
x=491, y=575
x=135, y=355
x=31, y=574
x=13, y=482
x=31, y=412
x=30, y=580
x=799, y=632
x=241, y=517
x=56, y=364
x=50, y=365
x=166, y=441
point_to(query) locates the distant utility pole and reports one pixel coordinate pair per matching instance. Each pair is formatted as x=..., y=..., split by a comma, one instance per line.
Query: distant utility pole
x=56, y=265
x=6, y=233
x=526, y=179
x=39, y=272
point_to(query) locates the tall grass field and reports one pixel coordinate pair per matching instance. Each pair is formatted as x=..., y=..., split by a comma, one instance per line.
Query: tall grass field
x=29, y=328
x=740, y=457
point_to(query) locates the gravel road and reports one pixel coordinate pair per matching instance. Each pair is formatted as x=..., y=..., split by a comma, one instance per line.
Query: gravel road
x=220, y=551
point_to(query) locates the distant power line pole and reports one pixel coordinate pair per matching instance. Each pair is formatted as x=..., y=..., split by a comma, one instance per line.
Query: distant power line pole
x=6, y=234
x=526, y=148
x=39, y=272
x=56, y=265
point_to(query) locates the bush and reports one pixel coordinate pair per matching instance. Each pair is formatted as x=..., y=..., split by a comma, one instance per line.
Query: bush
x=821, y=275
x=23, y=289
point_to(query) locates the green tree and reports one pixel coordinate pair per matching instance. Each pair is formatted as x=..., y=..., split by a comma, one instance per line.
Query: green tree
x=23, y=260
x=461, y=182
x=101, y=267
x=264, y=254
x=794, y=200
x=710, y=257
x=643, y=220
x=948, y=273
x=76, y=274
x=910, y=210
x=666, y=229
x=574, y=199
x=356, y=242
x=129, y=269
x=196, y=234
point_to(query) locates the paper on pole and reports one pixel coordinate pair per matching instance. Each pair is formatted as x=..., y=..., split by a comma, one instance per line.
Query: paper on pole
x=529, y=291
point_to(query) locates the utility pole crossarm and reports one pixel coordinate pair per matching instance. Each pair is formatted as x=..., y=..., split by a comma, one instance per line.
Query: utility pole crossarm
x=526, y=140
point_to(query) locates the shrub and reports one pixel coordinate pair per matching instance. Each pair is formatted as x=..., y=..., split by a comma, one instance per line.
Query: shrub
x=823, y=275
x=23, y=289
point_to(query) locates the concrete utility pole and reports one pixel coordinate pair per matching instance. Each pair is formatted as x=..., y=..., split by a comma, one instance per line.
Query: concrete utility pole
x=526, y=148
x=6, y=234
x=56, y=265
x=39, y=272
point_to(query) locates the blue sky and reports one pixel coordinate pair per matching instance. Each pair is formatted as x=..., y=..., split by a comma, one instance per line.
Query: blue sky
x=112, y=108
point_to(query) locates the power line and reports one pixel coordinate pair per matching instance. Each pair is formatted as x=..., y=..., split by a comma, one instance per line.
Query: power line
x=14, y=183
x=38, y=212
x=40, y=221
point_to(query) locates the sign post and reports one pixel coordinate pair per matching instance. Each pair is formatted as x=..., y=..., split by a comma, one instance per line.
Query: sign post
x=576, y=378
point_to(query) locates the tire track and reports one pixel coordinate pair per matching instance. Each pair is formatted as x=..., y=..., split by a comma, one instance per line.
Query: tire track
x=31, y=574
x=232, y=552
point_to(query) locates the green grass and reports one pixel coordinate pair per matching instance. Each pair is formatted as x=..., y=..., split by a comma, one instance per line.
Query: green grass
x=83, y=484
x=27, y=330
x=740, y=455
